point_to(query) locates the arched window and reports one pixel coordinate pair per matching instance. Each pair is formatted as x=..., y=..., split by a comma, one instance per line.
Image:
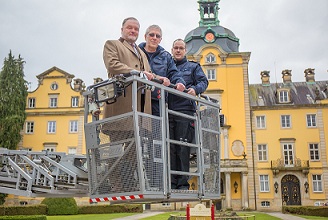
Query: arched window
x=283, y=95
x=210, y=58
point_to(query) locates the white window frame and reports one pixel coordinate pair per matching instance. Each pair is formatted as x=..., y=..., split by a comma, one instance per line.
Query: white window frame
x=210, y=58
x=53, y=101
x=262, y=150
x=73, y=126
x=211, y=74
x=31, y=103
x=265, y=203
x=288, y=154
x=311, y=120
x=317, y=182
x=166, y=204
x=29, y=127
x=314, y=152
x=51, y=128
x=261, y=122
x=71, y=150
x=75, y=101
x=264, y=183
x=50, y=148
x=286, y=121
x=283, y=96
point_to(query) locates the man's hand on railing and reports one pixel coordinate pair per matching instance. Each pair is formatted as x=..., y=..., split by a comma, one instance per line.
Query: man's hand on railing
x=180, y=87
x=191, y=91
x=166, y=81
x=149, y=75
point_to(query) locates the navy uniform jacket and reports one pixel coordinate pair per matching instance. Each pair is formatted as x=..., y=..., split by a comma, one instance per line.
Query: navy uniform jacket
x=162, y=64
x=195, y=78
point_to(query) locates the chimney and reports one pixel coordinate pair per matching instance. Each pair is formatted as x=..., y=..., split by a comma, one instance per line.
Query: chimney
x=265, y=77
x=97, y=80
x=286, y=76
x=309, y=75
x=78, y=84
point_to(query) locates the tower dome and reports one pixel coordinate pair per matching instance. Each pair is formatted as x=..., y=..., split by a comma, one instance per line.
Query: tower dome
x=209, y=30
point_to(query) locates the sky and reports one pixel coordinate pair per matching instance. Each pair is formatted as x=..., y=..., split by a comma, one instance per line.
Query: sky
x=70, y=34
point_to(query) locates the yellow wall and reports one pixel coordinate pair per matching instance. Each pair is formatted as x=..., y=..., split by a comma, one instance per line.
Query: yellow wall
x=303, y=136
x=62, y=114
x=298, y=130
x=229, y=79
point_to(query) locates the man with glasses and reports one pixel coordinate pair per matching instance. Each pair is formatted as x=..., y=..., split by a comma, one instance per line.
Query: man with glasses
x=161, y=63
x=182, y=128
x=163, y=67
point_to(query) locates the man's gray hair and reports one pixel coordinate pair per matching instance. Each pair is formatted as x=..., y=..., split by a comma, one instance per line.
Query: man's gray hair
x=129, y=18
x=154, y=26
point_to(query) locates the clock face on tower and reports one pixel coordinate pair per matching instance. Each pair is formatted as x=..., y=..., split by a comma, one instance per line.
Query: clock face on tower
x=209, y=37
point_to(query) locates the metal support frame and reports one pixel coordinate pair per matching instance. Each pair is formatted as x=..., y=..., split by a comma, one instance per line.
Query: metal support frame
x=150, y=179
x=46, y=174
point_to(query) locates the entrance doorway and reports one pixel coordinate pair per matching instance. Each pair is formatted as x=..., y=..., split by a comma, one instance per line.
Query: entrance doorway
x=290, y=190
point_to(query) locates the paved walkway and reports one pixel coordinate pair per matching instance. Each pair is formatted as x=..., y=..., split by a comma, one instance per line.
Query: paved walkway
x=145, y=214
x=284, y=216
x=151, y=213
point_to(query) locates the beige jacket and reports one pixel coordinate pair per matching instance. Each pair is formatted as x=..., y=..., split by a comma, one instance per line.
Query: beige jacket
x=120, y=58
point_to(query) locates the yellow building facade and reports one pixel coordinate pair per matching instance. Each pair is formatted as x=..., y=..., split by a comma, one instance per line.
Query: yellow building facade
x=262, y=168
x=290, y=140
x=55, y=114
x=216, y=48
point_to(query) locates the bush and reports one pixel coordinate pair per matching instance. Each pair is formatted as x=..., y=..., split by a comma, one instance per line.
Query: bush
x=24, y=217
x=106, y=209
x=306, y=210
x=23, y=210
x=61, y=206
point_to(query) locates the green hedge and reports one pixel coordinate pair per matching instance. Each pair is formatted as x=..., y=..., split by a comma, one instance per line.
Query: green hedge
x=105, y=209
x=23, y=210
x=24, y=217
x=61, y=206
x=306, y=210
x=66, y=206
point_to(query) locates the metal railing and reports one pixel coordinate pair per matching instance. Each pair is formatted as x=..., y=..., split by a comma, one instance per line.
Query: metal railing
x=136, y=159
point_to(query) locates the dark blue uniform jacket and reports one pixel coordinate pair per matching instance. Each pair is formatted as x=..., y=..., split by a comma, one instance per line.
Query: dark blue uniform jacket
x=195, y=78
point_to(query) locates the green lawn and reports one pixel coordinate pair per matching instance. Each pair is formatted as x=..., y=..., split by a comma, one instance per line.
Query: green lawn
x=164, y=216
x=90, y=216
x=258, y=215
x=312, y=217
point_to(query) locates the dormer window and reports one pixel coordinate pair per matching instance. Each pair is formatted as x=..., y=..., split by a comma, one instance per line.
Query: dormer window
x=284, y=96
x=210, y=58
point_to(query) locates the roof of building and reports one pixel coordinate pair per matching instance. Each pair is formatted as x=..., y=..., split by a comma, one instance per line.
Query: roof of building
x=225, y=38
x=301, y=93
x=54, y=68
